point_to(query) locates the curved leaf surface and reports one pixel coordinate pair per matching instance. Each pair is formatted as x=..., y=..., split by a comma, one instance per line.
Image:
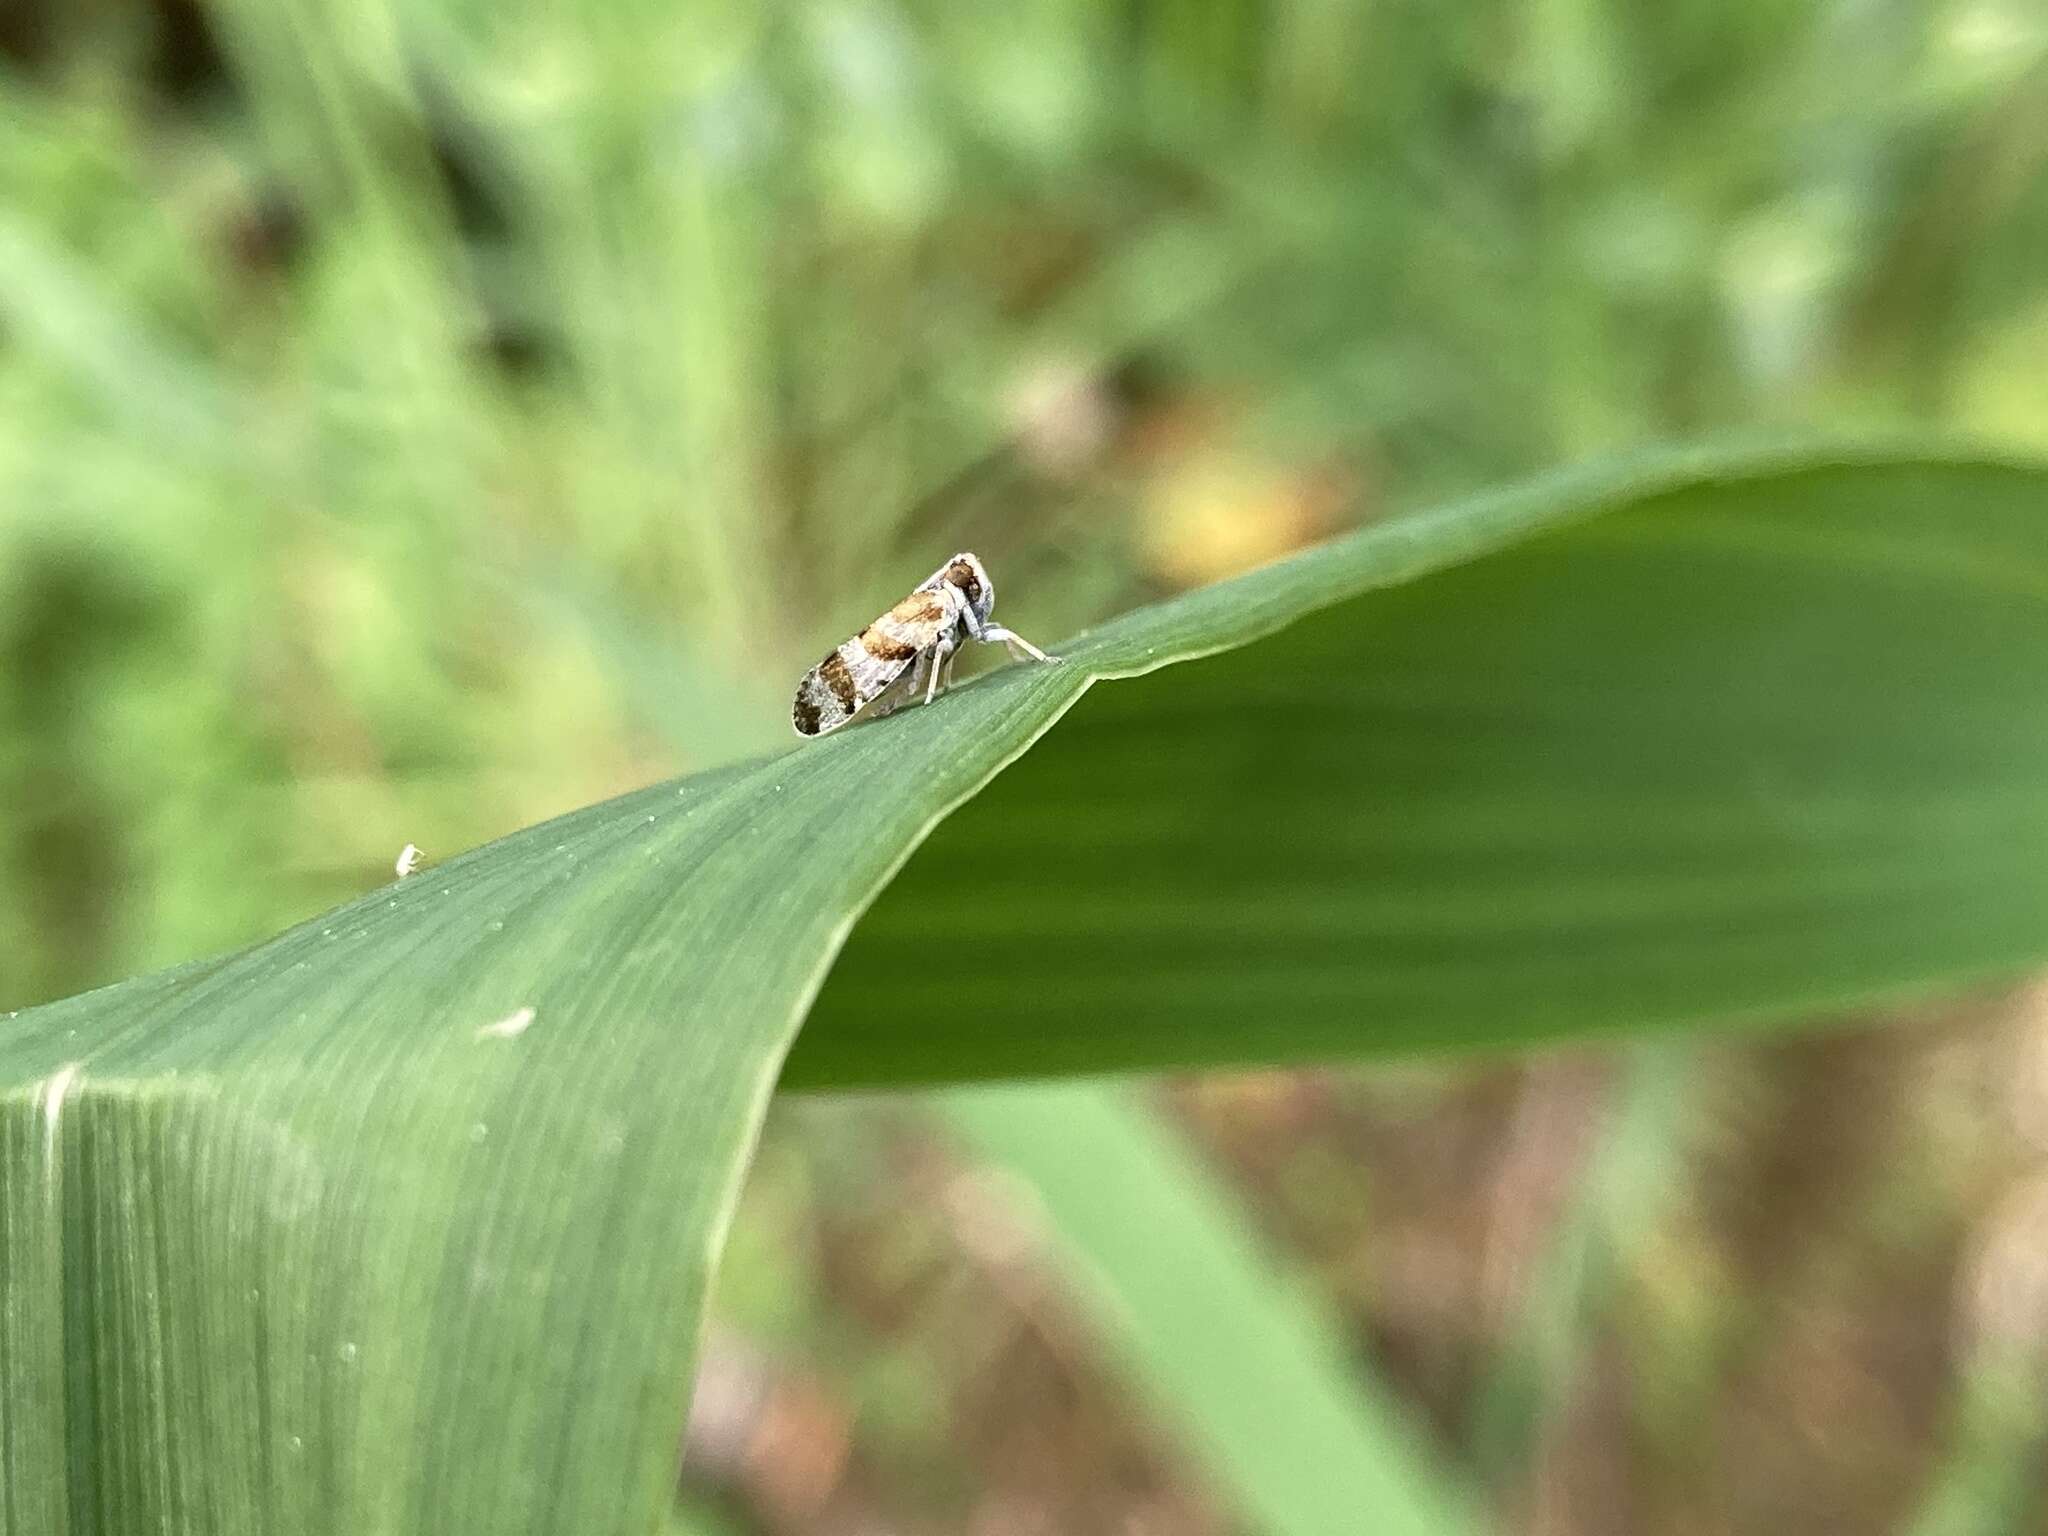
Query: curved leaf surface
x=1756, y=742
x=403, y=1220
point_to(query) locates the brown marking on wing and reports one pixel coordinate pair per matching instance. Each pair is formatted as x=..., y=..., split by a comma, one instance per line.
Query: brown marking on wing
x=905, y=629
x=816, y=709
x=923, y=608
x=839, y=679
x=883, y=646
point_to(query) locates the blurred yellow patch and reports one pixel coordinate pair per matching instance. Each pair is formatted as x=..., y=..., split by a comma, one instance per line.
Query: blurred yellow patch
x=1214, y=514
x=2001, y=387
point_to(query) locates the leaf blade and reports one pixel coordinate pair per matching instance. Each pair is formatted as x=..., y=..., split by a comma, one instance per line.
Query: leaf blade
x=317, y=1249
x=1747, y=747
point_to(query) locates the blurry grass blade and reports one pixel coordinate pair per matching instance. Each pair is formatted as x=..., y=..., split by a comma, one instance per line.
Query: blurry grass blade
x=296, y=1241
x=176, y=406
x=1632, y=1176
x=1301, y=1443
x=1988, y=1478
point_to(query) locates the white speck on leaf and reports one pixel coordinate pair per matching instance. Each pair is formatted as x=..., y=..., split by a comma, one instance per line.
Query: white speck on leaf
x=53, y=1108
x=510, y=1027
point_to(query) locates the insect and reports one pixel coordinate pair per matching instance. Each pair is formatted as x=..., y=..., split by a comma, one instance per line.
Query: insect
x=919, y=635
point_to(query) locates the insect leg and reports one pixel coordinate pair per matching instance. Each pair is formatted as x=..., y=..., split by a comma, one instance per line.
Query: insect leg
x=1015, y=641
x=945, y=650
x=991, y=632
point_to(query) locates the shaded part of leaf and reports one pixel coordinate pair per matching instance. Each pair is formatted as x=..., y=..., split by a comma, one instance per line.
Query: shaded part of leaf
x=1748, y=748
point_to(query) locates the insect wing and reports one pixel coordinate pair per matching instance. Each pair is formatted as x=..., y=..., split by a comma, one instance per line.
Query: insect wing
x=857, y=672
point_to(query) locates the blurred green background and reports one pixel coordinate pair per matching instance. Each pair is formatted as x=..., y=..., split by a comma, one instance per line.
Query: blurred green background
x=418, y=417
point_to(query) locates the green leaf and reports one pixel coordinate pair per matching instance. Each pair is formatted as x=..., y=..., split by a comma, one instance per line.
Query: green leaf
x=1749, y=742
x=332, y=1235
